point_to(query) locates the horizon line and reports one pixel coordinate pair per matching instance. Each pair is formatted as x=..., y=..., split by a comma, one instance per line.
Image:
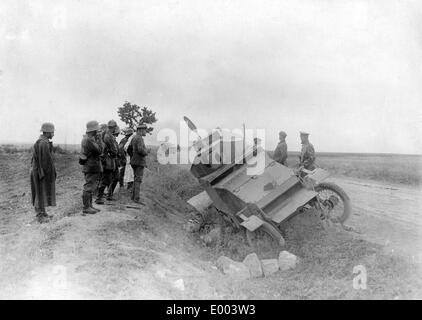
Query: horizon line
x=3, y=142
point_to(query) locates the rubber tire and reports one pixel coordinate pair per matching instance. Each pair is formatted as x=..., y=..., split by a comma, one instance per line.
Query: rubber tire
x=342, y=194
x=270, y=230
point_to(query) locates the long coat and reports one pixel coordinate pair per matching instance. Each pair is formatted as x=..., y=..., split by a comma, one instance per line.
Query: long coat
x=307, y=156
x=92, y=148
x=43, y=174
x=110, y=151
x=280, y=153
x=138, y=150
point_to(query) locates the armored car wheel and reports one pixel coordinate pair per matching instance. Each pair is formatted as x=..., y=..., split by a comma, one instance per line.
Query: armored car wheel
x=265, y=240
x=335, y=201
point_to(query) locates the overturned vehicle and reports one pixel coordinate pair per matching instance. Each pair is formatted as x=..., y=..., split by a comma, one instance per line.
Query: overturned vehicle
x=256, y=193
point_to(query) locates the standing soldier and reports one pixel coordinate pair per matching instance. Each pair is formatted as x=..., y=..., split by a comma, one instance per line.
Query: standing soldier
x=307, y=155
x=280, y=152
x=137, y=161
x=90, y=159
x=43, y=173
x=122, y=154
x=115, y=177
x=109, y=161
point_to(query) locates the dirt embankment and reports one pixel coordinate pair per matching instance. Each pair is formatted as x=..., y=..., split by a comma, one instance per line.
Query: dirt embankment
x=146, y=253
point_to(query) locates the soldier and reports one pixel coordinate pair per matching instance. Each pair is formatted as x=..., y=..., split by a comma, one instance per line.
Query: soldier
x=109, y=160
x=92, y=149
x=137, y=161
x=307, y=155
x=115, y=176
x=43, y=173
x=122, y=154
x=101, y=133
x=280, y=152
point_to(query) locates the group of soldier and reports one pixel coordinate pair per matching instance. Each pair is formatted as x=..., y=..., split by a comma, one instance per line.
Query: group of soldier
x=103, y=161
x=307, y=154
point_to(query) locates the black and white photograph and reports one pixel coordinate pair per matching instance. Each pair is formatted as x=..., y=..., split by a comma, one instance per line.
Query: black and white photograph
x=210, y=150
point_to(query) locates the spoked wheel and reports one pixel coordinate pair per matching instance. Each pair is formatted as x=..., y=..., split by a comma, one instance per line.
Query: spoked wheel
x=335, y=201
x=266, y=240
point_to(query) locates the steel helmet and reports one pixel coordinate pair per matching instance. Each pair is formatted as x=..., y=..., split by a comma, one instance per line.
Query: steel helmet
x=112, y=123
x=47, y=127
x=92, y=126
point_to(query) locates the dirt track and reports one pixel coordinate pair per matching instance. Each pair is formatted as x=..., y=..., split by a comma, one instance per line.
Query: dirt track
x=387, y=214
x=145, y=253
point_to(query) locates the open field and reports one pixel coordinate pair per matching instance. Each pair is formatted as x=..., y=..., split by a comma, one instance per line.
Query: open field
x=139, y=253
x=389, y=168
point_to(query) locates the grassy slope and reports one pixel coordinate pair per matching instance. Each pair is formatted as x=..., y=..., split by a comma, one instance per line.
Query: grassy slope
x=327, y=258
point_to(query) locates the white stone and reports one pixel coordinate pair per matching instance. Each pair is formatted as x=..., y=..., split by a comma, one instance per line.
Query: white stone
x=254, y=265
x=232, y=268
x=286, y=260
x=269, y=266
x=179, y=284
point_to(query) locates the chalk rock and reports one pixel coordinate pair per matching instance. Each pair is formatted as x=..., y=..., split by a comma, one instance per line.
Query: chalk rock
x=233, y=268
x=254, y=265
x=286, y=260
x=179, y=284
x=269, y=266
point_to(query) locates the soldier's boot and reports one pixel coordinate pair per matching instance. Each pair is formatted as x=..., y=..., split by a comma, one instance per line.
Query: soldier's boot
x=90, y=203
x=121, y=179
x=100, y=195
x=136, y=193
x=111, y=191
x=43, y=219
x=86, y=196
x=42, y=216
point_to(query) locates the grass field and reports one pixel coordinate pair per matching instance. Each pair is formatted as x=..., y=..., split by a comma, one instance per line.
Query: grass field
x=386, y=168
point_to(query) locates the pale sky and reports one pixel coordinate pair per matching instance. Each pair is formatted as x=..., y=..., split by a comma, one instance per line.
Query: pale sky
x=348, y=72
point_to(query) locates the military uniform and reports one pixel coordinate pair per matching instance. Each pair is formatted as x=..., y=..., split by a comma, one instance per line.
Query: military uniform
x=109, y=164
x=307, y=156
x=115, y=175
x=138, y=153
x=280, y=153
x=43, y=176
x=92, y=168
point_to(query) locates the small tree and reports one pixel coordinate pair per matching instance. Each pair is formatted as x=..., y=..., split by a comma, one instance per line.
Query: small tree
x=132, y=115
